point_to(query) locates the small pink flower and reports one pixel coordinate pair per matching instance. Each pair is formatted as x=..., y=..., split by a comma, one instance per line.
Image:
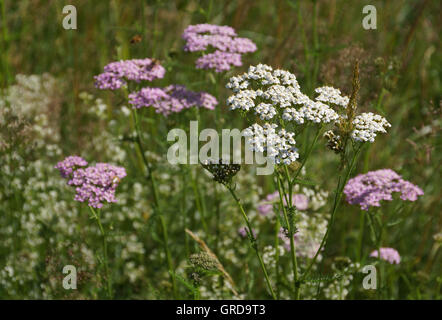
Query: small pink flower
x=387, y=254
x=116, y=74
x=368, y=190
x=94, y=184
x=227, y=46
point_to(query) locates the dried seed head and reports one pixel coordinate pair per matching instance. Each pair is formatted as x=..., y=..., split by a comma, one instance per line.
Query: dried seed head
x=203, y=260
x=342, y=262
x=333, y=141
x=222, y=172
x=346, y=123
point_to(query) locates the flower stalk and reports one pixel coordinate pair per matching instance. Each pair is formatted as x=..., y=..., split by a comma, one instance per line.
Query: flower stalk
x=105, y=261
x=151, y=177
x=252, y=239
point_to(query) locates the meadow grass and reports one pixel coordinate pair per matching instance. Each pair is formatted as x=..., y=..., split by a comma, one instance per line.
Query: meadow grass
x=319, y=41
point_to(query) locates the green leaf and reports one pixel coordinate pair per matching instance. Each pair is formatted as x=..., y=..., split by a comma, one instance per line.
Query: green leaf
x=212, y=78
x=186, y=283
x=395, y=222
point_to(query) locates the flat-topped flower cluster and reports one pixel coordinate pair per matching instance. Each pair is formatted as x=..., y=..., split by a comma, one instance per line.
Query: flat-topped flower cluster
x=171, y=99
x=368, y=190
x=388, y=254
x=69, y=165
x=228, y=46
x=94, y=184
x=274, y=94
x=276, y=98
x=332, y=96
x=116, y=74
x=367, y=125
x=278, y=145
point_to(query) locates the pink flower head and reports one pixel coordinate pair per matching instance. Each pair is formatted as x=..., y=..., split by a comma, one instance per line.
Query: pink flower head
x=367, y=190
x=116, y=74
x=388, y=254
x=94, y=184
x=69, y=164
x=223, y=39
x=97, y=184
x=172, y=99
x=219, y=60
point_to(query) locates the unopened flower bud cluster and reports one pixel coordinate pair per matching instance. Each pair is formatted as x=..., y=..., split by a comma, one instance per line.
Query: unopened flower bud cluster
x=222, y=171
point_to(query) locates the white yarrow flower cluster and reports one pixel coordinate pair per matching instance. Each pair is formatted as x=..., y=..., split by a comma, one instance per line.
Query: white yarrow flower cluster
x=276, y=90
x=319, y=112
x=265, y=111
x=279, y=146
x=263, y=75
x=367, y=125
x=331, y=95
x=243, y=100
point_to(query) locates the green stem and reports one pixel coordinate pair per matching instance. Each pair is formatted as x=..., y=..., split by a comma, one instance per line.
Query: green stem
x=149, y=170
x=198, y=201
x=196, y=294
x=151, y=177
x=378, y=246
x=105, y=254
x=307, y=154
x=5, y=47
x=380, y=99
x=183, y=210
x=218, y=215
x=278, y=280
x=361, y=236
x=288, y=220
x=253, y=241
x=290, y=235
x=377, y=240
x=338, y=196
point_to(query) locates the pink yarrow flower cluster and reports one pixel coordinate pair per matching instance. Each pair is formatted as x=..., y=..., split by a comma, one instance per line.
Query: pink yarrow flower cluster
x=219, y=60
x=171, y=99
x=367, y=190
x=388, y=254
x=228, y=46
x=69, y=165
x=116, y=74
x=300, y=201
x=94, y=184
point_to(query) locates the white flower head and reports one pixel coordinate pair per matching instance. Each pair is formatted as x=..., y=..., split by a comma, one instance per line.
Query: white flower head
x=318, y=112
x=331, y=95
x=278, y=93
x=367, y=125
x=279, y=145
